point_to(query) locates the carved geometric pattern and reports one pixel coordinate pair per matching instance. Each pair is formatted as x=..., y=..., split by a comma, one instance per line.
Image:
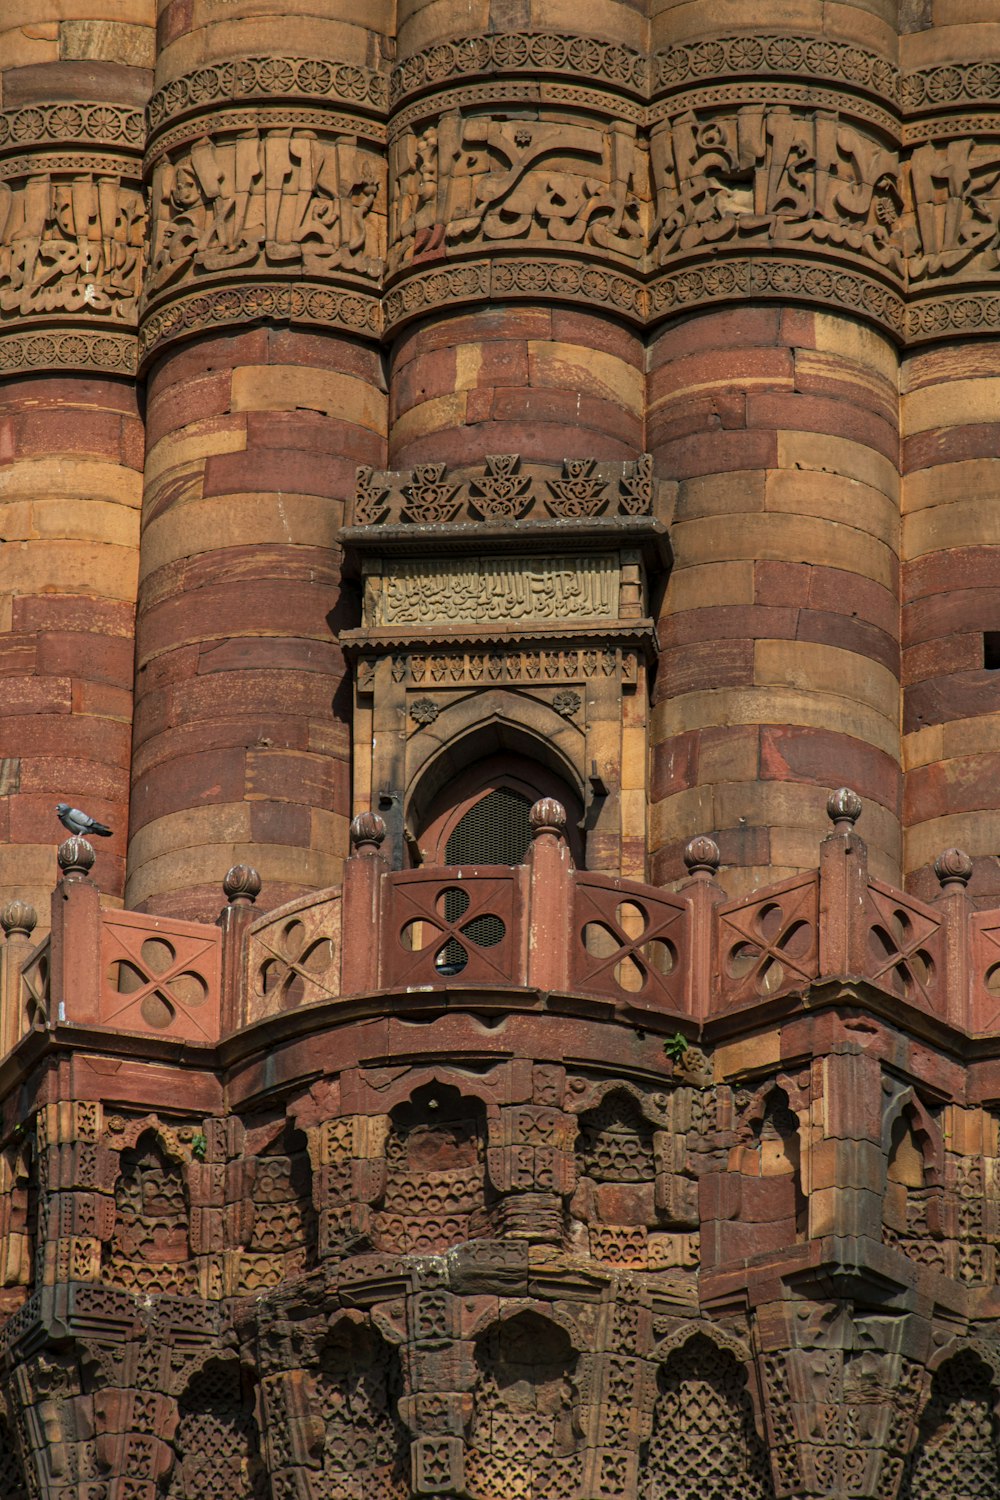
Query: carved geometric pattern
x=704, y=1441
x=282, y=1241
x=217, y=1442
x=434, y=1174
x=357, y=1388
x=771, y=943
x=629, y=942
x=958, y=1450
x=160, y=976
x=906, y=947
x=525, y=1439
x=150, y=1249
x=294, y=957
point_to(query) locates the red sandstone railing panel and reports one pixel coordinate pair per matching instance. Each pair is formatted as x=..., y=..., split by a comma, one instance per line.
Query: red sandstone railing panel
x=160, y=975
x=444, y=924
x=294, y=954
x=767, y=943
x=630, y=941
x=27, y=996
x=984, y=976
x=905, y=950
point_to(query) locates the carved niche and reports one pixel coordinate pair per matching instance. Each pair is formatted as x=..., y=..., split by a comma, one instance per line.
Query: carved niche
x=634, y=1181
x=216, y=1442
x=434, y=1174
x=912, y=1206
x=13, y=1485
x=958, y=1447
x=281, y=1237
x=704, y=1441
x=525, y=1438
x=150, y=1246
x=355, y=1394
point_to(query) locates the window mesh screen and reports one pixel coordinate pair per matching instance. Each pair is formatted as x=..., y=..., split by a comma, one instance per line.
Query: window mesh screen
x=494, y=831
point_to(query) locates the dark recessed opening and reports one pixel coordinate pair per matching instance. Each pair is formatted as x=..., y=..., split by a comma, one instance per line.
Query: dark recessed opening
x=991, y=650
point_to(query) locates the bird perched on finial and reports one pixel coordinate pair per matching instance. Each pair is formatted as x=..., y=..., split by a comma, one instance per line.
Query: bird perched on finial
x=80, y=822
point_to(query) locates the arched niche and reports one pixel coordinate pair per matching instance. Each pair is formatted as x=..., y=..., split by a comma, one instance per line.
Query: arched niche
x=150, y=1246
x=704, y=1440
x=355, y=1390
x=474, y=756
x=957, y=1452
x=435, y=1177
x=911, y=1206
x=283, y=1237
x=525, y=1436
x=779, y=1150
x=216, y=1441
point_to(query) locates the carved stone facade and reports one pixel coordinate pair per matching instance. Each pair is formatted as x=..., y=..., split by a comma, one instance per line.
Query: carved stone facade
x=483, y=473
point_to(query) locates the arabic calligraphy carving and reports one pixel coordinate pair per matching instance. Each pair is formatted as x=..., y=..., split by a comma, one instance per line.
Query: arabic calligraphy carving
x=775, y=175
x=486, y=588
x=523, y=179
x=287, y=199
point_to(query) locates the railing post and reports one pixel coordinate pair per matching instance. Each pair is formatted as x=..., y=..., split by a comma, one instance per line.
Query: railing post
x=18, y=920
x=241, y=885
x=361, y=935
x=550, y=898
x=703, y=893
x=843, y=888
x=953, y=868
x=76, y=937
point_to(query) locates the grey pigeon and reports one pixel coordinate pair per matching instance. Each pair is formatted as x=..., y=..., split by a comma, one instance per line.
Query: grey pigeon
x=79, y=822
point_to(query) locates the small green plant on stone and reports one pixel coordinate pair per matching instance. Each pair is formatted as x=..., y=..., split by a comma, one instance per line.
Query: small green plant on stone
x=675, y=1046
x=199, y=1146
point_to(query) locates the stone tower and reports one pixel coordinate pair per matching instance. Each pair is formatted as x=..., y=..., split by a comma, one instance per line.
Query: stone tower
x=491, y=493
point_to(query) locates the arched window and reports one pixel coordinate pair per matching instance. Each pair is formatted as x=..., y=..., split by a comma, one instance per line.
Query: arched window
x=480, y=817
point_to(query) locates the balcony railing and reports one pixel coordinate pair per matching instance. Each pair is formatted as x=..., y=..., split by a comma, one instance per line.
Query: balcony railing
x=543, y=927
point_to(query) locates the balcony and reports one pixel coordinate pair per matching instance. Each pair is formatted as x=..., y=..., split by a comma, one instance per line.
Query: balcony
x=487, y=936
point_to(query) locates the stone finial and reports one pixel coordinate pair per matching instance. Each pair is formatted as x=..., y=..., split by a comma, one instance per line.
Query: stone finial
x=18, y=917
x=953, y=867
x=702, y=856
x=241, y=884
x=367, y=831
x=76, y=858
x=547, y=815
x=843, y=808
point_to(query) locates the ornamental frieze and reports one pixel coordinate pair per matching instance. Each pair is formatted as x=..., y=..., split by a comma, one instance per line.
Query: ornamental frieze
x=70, y=244
x=777, y=177
x=311, y=78
x=471, y=590
x=283, y=200
x=487, y=178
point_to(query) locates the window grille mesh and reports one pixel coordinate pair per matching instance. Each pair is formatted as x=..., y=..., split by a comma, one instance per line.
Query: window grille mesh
x=494, y=831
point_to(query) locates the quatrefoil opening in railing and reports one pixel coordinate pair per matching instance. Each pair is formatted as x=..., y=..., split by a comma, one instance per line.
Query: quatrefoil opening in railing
x=630, y=941
x=899, y=944
x=157, y=983
x=771, y=944
x=454, y=936
x=299, y=966
x=780, y=953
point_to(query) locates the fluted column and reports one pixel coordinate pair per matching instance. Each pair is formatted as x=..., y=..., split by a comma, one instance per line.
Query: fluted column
x=259, y=338
x=514, y=298
x=73, y=84
x=776, y=300
x=951, y=433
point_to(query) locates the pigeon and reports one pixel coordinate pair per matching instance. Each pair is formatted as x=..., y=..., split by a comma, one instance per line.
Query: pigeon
x=79, y=822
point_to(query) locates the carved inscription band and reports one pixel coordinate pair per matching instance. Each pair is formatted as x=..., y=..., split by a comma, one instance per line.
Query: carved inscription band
x=518, y=165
